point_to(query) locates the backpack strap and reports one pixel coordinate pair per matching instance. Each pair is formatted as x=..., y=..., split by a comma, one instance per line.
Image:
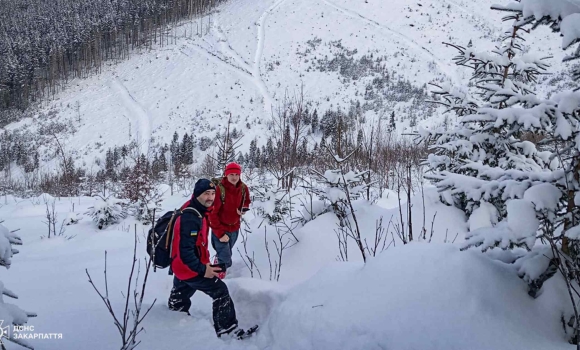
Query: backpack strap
x=168, y=243
x=190, y=209
x=222, y=193
x=244, y=188
x=176, y=213
x=218, y=182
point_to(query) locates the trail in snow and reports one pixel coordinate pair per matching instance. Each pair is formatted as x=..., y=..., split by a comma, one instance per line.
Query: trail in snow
x=223, y=59
x=250, y=72
x=248, y=76
x=443, y=67
x=260, y=45
x=227, y=50
x=140, y=121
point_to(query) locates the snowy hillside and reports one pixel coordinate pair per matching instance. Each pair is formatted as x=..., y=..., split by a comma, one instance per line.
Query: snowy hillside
x=257, y=52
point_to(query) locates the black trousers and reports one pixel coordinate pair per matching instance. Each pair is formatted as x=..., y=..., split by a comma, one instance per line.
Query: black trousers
x=224, y=313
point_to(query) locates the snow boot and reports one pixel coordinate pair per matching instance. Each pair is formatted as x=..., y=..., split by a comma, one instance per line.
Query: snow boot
x=247, y=333
x=237, y=333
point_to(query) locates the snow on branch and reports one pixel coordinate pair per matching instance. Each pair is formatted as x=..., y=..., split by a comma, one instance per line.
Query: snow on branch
x=561, y=15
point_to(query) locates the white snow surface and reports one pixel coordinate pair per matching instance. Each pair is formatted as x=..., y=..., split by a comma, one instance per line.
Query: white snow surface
x=451, y=299
x=444, y=295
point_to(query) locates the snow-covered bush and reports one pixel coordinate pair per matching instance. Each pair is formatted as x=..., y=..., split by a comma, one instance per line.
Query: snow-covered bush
x=312, y=208
x=107, y=211
x=272, y=202
x=339, y=188
x=143, y=209
x=11, y=314
x=72, y=218
x=7, y=239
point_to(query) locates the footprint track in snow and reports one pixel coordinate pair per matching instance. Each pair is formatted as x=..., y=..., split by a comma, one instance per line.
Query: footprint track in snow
x=139, y=117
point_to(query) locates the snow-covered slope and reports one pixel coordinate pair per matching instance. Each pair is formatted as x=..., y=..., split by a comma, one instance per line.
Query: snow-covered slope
x=257, y=52
x=416, y=296
x=420, y=296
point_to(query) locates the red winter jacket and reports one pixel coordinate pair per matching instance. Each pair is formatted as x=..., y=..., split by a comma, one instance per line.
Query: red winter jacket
x=190, y=243
x=224, y=217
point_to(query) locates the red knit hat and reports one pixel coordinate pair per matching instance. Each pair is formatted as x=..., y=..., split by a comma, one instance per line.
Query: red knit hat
x=233, y=168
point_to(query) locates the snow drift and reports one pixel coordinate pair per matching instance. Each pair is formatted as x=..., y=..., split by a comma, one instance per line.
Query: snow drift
x=420, y=296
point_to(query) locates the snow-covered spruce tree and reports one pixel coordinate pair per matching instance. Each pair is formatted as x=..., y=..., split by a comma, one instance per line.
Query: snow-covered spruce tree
x=517, y=194
x=107, y=211
x=227, y=145
x=563, y=109
x=483, y=163
x=141, y=192
x=489, y=135
x=10, y=314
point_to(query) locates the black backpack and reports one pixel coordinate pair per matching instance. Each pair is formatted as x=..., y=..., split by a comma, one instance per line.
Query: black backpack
x=160, y=237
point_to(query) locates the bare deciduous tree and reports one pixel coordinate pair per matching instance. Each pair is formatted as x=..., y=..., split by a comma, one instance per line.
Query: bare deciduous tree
x=129, y=324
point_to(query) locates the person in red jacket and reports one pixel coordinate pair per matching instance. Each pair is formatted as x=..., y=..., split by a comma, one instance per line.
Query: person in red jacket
x=190, y=262
x=225, y=216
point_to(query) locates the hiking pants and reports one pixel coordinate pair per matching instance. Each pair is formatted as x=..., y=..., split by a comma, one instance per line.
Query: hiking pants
x=224, y=313
x=224, y=250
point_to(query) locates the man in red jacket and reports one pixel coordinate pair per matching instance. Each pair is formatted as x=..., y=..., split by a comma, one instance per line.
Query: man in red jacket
x=191, y=265
x=232, y=200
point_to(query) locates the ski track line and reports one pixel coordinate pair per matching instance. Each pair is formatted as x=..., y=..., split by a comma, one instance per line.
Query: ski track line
x=444, y=68
x=241, y=71
x=226, y=48
x=213, y=57
x=260, y=50
x=241, y=65
x=137, y=114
